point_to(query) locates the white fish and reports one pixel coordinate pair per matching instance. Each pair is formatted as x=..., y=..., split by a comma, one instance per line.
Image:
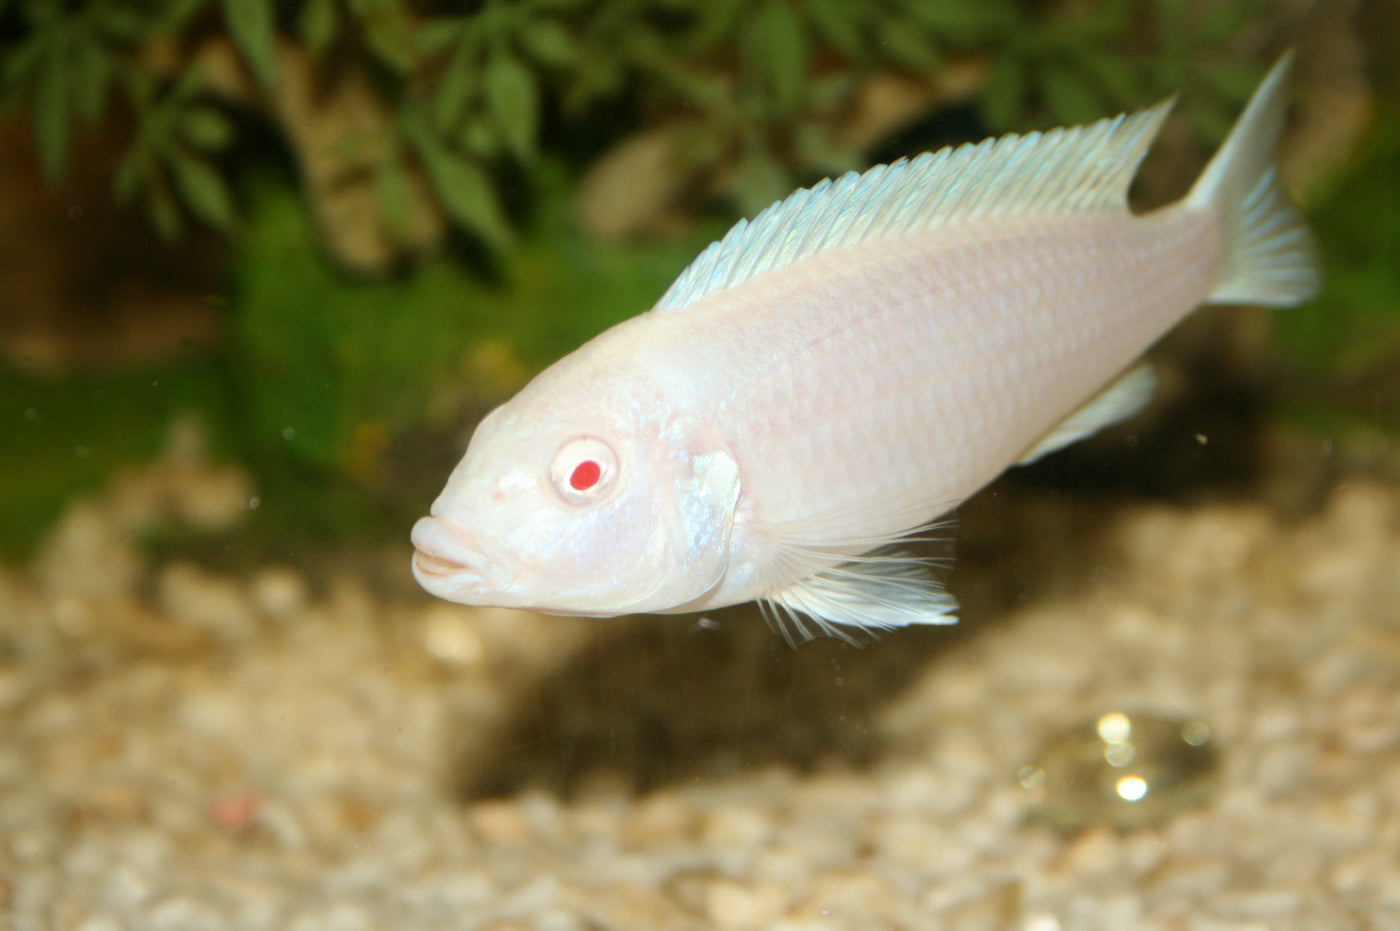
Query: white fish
x=833, y=377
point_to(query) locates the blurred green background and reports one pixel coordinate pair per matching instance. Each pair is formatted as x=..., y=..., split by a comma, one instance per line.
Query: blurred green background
x=340, y=230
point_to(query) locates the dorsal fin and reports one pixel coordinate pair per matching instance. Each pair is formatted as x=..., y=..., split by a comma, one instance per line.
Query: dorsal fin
x=1080, y=168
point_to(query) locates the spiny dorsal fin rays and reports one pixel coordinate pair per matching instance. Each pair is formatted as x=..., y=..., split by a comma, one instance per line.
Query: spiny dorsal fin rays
x=1080, y=168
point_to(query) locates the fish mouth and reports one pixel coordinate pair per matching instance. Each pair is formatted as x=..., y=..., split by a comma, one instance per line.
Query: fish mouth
x=437, y=567
x=445, y=560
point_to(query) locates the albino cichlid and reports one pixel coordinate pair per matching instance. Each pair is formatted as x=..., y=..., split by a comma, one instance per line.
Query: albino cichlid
x=831, y=378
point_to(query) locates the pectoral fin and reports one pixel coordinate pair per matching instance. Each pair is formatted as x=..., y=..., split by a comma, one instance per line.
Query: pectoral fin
x=1119, y=401
x=827, y=577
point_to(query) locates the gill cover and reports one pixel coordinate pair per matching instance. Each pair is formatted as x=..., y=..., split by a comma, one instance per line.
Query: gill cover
x=692, y=541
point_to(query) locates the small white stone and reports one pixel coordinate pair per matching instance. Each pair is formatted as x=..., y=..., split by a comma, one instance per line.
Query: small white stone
x=731, y=904
x=1189, y=879
x=212, y=498
x=1041, y=921
x=450, y=635
x=188, y=594
x=532, y=898
x=1260, y=903
x=557, y=919
x=279, y=592
x=738, y=827
x=15, y=686
x=184, y=913
x=86, y=556
x=100, y=922
x=342, y=916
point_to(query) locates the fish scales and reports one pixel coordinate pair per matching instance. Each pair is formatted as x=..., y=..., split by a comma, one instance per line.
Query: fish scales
x=832, y=378
x=874, y=385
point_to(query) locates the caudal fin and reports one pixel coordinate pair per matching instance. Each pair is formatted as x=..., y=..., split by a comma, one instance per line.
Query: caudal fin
x=1269, y=255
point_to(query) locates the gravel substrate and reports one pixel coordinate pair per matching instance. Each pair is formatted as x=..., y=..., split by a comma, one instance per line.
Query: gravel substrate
x=182, y=749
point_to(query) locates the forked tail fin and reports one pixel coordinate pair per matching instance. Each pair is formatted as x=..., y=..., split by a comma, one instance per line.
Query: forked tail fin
x=1269, y=255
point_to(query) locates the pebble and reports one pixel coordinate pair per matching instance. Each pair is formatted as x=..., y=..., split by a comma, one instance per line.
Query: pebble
x=500, y=822
x=1190, y=878
x=86, y=557
x=179, y=912
x=279, y=592
x=664, y=817
x=737, y=827
x=450, y=636
x=731, y=904
x=341, y=916
x=206, y=600
x=100, y=923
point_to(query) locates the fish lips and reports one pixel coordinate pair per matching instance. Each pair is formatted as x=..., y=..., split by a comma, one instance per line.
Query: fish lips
x=447, y=562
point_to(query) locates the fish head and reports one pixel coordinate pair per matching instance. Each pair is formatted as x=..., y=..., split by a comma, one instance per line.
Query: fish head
x=584, y=499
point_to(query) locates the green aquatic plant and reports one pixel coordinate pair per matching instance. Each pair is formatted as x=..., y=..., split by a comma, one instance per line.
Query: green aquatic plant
x=330, y=369
x=406, y=119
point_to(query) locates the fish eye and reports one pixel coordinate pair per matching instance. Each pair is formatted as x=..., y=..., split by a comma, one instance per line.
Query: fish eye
x=584, y=469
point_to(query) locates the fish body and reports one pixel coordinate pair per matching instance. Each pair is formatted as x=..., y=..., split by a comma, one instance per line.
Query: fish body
x=832, y=378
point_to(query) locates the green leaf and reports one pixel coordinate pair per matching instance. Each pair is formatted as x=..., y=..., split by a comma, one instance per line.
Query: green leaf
x=24, y=60
x=715, y=19
x=176, y=14
x=455, y=88
x=131, y=172
x=757, y=181
x=962, y=21
x=784, y=52
x=478, y=137
x=1069, y=95
x=204, y=190
x=468, y=195
x=1004, y=93
x=51, y=117
x=1211, y=119
x=121, y=24
x=511, y=99
x=462, y=185
x=438, y=35
x=905, y=44
x=549, y=43
x=317, y=25
x=838, y=23
x=1220, y=22
x=387, y=33
x=164, y=213
x=1234, y=78
x=1116, y=75
x=1103, y=21
x=815, y=145
x=206, y=128
x=251, y=23
x=90, y=74
x=393, y=194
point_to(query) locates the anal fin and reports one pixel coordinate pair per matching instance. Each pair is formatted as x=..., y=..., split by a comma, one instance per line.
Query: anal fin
x=1119, y=401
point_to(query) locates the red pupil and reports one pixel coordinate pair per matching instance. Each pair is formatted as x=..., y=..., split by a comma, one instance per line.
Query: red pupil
x=585, y=475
